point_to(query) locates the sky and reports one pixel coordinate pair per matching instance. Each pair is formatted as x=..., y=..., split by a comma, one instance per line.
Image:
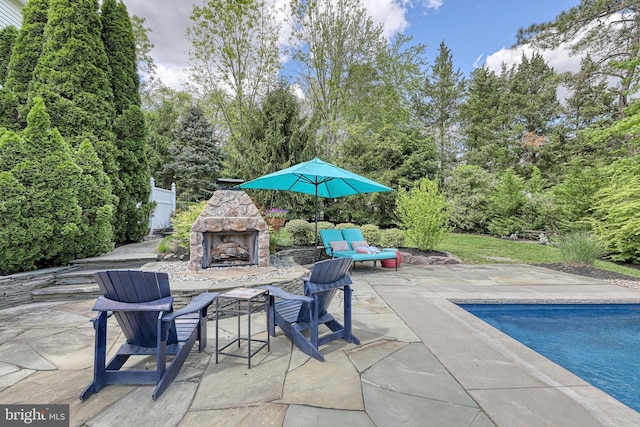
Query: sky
x=476, y=31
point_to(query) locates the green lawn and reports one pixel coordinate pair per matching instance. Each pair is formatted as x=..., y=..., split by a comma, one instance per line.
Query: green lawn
x=474, y=249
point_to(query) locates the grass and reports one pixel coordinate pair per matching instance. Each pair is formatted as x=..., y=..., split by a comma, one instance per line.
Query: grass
x=475, y=249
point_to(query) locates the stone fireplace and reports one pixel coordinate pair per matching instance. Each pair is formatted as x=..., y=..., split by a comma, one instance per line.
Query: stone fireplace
x=229, y=232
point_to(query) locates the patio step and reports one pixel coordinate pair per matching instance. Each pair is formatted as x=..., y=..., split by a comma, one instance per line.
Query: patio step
x=65, y=292
x=77, y=281
x=96, y=264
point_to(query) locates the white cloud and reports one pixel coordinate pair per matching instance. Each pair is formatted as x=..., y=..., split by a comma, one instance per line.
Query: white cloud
x=172, y=75
x=390, y=13
x=433, y=4
x=560, y=58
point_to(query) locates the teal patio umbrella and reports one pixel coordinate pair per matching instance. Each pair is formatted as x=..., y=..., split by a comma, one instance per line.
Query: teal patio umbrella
x=318, y=178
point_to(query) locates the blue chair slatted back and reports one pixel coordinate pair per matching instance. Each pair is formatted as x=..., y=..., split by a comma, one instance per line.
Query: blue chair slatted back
x=133, y=286
x=352, y=235
x=326, y=278
x=329, y=235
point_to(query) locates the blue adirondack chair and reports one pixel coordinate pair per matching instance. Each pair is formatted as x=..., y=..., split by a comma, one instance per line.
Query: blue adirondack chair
x=297, y=313
x=143, y=306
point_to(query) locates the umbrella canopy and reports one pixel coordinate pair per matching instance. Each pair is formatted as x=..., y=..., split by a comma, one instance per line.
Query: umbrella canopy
x=317, y=178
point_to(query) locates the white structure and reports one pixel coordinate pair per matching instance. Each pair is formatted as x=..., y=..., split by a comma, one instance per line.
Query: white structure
x=165, y=206
x=11, y=13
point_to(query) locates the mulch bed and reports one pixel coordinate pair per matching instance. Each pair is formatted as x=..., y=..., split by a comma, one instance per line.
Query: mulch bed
x=589, y=271
x=418, y=252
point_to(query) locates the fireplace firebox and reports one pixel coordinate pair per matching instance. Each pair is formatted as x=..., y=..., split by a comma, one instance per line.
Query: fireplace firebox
x=229, y=249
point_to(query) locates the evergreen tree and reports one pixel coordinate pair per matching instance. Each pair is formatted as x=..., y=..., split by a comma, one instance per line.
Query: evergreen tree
x=590, y=103
x=486, y=118
x=8, y=102
x=279, y=137
x=606, y=27
x=132, y=213
x=97, y=204
x=615, y=217
x=120, y=47
x=197, y=159
x=468, y=192
x=24, y=58
x=506, y=205
x=42, y=217
x=443, y=93
x=7, y=40
x=72, y=73
x=536, y=109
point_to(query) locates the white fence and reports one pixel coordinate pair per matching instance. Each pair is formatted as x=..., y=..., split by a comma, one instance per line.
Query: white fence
x=165, y=206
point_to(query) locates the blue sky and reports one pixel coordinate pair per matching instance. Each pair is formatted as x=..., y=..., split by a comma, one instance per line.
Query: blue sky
x=474, y=30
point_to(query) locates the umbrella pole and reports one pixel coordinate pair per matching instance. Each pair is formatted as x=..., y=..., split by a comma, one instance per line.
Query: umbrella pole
x=315, y=248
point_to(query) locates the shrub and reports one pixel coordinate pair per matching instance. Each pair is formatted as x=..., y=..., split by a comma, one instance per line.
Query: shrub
x=169, y=245
x=182, y=220
x=301, y=232
x=575, y=197
x=371, y=234
x=344, y=225
x=580, y=247
x=615, y=214
x=392, y=238
x=40, y=216
x=468, y=192
x=274, y=241
x=165, y=245
x=506, y=204
x=423, y=213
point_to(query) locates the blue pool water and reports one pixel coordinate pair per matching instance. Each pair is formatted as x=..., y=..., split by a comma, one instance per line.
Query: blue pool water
x=600, y=343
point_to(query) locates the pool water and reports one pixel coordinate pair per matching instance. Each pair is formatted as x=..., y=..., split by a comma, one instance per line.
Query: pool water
x=600, y=343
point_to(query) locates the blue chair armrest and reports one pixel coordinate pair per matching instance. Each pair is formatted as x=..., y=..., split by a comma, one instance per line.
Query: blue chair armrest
x=279, y=293
x=198, y=303
x=106, y=304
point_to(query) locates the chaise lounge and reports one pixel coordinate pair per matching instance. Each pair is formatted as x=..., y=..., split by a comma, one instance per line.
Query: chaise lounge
x=350, y=243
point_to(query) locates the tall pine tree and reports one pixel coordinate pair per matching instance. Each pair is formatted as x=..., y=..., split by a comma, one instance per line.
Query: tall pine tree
x=72, y=75
x=7, y=39
x=97, y=204
x=443, y=94
x=131, y=216
x=197, y=157
x=120, y=47
x=7, y=99
x=24, y=58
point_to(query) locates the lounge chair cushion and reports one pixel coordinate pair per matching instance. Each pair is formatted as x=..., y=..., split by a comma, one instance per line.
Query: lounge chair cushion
x=359, y=244
x=339, y=246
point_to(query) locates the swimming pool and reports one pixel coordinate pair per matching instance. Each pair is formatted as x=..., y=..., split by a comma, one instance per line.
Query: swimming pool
x=600, y=343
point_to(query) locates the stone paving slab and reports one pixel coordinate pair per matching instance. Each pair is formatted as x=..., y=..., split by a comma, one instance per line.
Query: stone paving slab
x=422, y=361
